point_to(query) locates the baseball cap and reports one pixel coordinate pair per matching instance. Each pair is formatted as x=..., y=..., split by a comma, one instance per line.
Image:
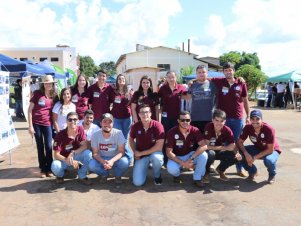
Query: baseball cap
x=107, y=116
x=256, y=113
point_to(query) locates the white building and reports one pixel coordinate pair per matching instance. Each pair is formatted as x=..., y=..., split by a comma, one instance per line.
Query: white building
x=61, y=55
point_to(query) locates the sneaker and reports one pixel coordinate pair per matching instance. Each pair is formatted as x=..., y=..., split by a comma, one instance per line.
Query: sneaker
x=206, y=179
x=84, y=181
x=49, y=174
x=222, y=175
x=271, y=180
x=199, y=183
x=242, y=173
x=118, y=180
x=102, y=179
x=177, y=180
x=43, y=175
x=59, y=180
x=252, y=177
x=158, y=180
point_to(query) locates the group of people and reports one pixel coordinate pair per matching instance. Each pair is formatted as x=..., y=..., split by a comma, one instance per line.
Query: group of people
x=103, y=129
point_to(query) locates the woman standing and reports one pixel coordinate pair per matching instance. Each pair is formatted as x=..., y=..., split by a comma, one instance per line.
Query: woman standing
x=61, y=109
x=39, y=120
x=145, y=95
x=121, y=110
x=79, y=96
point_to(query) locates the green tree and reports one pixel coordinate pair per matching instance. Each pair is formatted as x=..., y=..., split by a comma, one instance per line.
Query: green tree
x=253, y=76
x=109, y=67
x=87, y=66
x=233, y=57
x=249, y=58
x=185, y=71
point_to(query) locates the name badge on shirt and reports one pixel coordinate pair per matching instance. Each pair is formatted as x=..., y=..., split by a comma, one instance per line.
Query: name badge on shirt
x=207, y=89
x=225, y=90
x=164, y=114
x=237, y=88
x=74, y=98
x=69, y=147
x=41, y=102
x=117, y=100
x=96, y=94
x=253, y=139
x=179, y=143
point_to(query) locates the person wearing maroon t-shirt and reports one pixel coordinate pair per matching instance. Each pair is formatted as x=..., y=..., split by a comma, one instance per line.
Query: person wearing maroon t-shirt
x=265, y=146
x=185, y=148
x=171, y=94
x=100, y=95
x=39, y=120
x=232, y=98
x=79, y=95
x=70, y=151
x=145, y=95
x=220, y=142
x=146, y=140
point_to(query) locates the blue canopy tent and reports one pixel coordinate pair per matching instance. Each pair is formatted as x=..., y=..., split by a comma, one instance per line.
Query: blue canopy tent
x=211, y=74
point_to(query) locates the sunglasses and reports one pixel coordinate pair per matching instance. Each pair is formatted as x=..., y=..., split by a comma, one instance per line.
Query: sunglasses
x=185, y=120
x=72, y=119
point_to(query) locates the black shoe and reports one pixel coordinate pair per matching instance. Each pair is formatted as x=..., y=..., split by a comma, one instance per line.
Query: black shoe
x=177, y=180
x=271, y=180
x=158, y=180
x=199, y=183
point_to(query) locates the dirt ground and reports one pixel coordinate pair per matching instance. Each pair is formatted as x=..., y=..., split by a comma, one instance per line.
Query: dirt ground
x=27, y=199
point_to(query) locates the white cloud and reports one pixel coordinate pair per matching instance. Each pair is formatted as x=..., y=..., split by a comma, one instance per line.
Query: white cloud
x=269, y=28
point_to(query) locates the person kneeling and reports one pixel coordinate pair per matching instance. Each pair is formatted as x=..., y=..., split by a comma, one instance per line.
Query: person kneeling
x=70, y=151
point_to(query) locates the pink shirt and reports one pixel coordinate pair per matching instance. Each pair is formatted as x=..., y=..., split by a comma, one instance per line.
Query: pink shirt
x=121, y=106
x=100, y=99
x=146, y=139
x=265, y=136
x=181, y=146
x=230, y=99
x=224, y=138
x=41, y=112
x=171, y=100
x=81, y=102
x=152, y=100
x=64, y=144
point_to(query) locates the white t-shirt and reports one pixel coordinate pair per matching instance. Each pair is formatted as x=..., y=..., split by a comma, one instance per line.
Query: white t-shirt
x=62, y=112
x=108, y=147
x=93, y=128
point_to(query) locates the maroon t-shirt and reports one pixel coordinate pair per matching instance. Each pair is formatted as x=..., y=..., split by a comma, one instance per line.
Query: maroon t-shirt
x=81, y=102
x=152, y=100
x=171, y=100
x=41, y=112
x=121, y=105
x=181, y=146
x=100, y=99
x=224, y=138
x=64, y=144
x=147, y=139
x=265, y=136
x=230, y=99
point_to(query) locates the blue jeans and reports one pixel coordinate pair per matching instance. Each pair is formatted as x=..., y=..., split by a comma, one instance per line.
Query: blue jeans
x=19, y=109
x=141, y=167
x=43, y=137
x=119, y=167
x=58, y=167
x=268, y=160
x=236, y=125
x=124, y=125
x=200, y=161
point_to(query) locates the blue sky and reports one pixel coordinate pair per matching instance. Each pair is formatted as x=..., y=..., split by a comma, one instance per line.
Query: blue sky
x=105, y=29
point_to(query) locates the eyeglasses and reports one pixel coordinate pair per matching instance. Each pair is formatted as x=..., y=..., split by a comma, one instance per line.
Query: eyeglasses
x=185, y=120
x=72, y=119
x=144, y=112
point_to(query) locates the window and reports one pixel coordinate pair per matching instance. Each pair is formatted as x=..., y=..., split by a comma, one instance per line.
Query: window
x=23, y=58
x=56, y=59
x=164, y=67
x=43, y=58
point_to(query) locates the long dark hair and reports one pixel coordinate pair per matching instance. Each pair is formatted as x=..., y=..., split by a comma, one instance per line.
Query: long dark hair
x=125, y=87
x=75, y=87
x=62, y=94
x=150, y=91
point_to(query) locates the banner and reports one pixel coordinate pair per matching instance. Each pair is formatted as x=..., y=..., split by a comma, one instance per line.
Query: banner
x=26, y=95
x=8, y=135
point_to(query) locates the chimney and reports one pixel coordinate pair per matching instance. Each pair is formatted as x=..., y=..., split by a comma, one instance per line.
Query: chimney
x=183, y=49
x=189, y=46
